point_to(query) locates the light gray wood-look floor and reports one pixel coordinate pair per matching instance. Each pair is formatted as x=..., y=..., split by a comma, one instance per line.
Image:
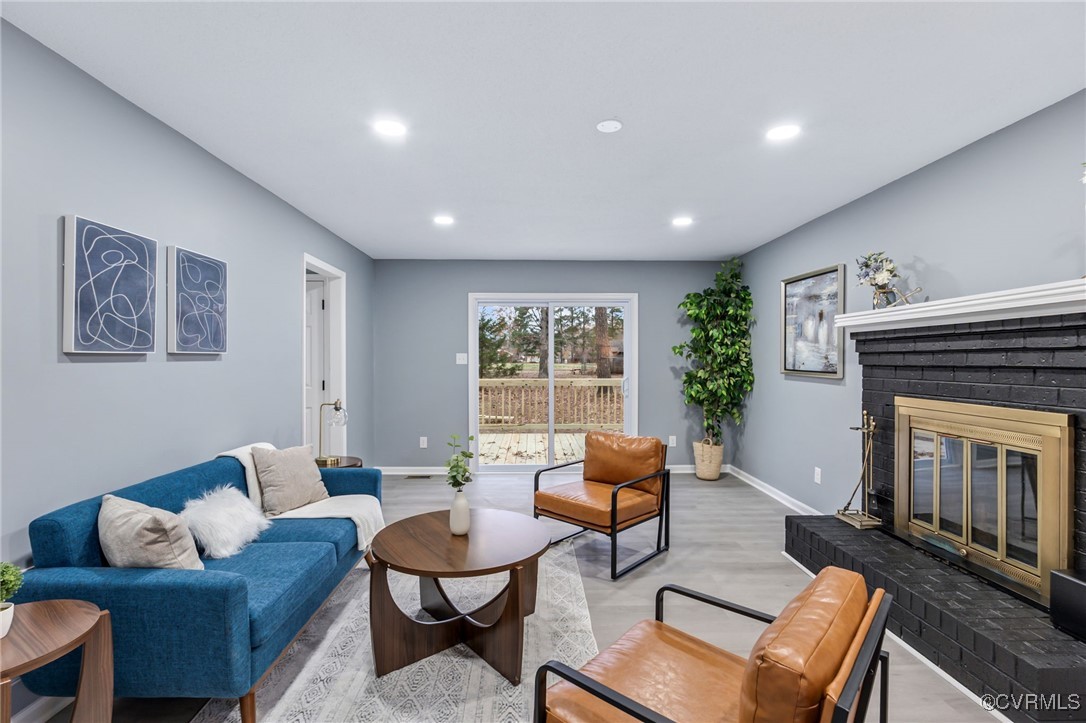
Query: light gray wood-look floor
x=726, y=539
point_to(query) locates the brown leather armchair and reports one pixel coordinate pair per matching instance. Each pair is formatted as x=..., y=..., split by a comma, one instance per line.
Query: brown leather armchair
x=814, y=663
x=625, y=483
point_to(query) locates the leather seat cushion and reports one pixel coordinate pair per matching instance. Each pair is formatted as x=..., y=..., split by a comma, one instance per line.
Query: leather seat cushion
x=591, y=502
x=801, y=651
x=614, y=458
x=661, y=667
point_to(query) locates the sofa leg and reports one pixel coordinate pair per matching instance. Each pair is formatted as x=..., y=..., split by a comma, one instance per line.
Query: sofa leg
x=248, y=707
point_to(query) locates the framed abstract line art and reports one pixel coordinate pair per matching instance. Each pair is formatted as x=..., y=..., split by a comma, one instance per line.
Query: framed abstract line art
x=810, y=302
x=196, y=303
x=109, y=289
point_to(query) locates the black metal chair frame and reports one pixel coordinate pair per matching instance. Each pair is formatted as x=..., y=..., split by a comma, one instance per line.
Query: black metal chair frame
x=663, y=531
x=855, y=694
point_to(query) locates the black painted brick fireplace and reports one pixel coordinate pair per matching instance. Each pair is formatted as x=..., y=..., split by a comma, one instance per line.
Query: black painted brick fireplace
x=984, y=637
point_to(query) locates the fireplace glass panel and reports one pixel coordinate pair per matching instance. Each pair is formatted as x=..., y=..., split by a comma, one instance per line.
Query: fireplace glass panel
x=923, y=502
x=984, y=495
x=1022, y=506
x=951, y=485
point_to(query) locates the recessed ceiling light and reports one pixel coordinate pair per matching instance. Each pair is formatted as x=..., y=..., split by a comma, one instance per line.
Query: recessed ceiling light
x=783, y=133
x=682, y=221
x=444, y=220
x=611, y=125
x=390, y=128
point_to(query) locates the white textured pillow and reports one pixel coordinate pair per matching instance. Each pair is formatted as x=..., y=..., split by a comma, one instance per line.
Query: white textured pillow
x=224, y=521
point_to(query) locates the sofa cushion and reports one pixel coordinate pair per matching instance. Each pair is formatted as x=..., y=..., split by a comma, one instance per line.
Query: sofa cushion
x=801, y=651
x=341, y=533
x=133, y=534
x=224, y=521
x=280, y=577
x=591, y=502
x=289, y=478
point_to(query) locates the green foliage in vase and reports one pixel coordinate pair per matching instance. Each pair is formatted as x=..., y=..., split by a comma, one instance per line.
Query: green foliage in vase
x=11, y=579
x=721, y=372
x=457, y=470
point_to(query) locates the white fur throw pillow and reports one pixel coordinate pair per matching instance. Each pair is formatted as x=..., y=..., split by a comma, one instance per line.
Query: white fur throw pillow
x=224, y=521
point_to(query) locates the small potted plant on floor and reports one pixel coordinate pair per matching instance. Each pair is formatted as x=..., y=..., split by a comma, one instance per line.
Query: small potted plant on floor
x=11, y=579
x=721, y=370
x=458, y=474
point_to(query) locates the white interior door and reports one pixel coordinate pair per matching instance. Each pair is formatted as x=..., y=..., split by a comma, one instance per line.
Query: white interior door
x=316, y=360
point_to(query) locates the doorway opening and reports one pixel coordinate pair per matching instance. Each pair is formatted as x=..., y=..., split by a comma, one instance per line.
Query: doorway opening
x=324, y=350
x=545, y=370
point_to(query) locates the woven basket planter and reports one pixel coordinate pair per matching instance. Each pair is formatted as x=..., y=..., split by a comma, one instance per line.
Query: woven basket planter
x=707, y=459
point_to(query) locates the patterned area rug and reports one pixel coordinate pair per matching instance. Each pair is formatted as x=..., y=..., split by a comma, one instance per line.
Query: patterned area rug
x=327, y=675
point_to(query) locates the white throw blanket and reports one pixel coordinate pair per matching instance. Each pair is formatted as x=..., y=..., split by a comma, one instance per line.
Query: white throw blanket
x=245, y=456
x=363, y=510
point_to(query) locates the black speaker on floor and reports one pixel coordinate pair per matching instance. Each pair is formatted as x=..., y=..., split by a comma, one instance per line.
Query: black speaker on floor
x=1067, y=602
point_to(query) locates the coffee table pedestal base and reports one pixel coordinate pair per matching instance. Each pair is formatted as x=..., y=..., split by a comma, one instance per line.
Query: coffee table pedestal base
x=495, y=630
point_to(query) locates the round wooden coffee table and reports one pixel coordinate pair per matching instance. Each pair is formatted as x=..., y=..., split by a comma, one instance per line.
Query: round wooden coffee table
x=44, y=631
x=498, y=541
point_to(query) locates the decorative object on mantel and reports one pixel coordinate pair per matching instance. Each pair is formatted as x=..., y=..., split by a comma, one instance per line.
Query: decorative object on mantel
x=459, y=474
x=862, y=518
x=11, y=579
x=196, y=303
x=878, y=270
x=338, y=418
x=810, y=303
x=721, y=370
x=109, y=289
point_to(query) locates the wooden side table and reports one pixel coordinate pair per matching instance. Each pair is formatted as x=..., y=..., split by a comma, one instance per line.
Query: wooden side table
x=344, y=461
x=44, y=631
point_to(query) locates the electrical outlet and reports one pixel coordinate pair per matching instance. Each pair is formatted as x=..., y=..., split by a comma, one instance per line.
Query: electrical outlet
x=461, y=358
x=818, y=475
x=671, y=441
x=422, y=442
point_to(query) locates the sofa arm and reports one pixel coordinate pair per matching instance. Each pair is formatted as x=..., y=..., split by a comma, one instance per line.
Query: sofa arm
x=181, y=633
x=352, y=481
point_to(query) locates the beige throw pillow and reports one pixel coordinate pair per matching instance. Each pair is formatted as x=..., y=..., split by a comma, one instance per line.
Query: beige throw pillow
x=289, y=478
x=135, y=535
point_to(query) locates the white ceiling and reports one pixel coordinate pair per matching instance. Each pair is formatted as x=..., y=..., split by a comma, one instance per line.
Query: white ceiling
x=502, y=102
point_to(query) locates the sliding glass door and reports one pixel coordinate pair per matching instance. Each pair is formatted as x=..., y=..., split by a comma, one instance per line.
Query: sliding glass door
x=545, y=370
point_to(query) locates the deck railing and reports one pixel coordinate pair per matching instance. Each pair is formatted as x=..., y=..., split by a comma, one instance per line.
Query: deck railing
x=579, y=404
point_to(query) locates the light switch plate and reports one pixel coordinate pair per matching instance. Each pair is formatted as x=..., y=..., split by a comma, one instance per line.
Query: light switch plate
x=461, y=358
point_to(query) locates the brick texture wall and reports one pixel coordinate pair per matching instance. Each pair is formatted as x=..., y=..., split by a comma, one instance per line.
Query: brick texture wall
x=1035, y=363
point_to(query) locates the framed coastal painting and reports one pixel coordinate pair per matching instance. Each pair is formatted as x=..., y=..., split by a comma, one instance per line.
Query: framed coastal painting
x=810, y=302
x=109, y=289
x=196, y=303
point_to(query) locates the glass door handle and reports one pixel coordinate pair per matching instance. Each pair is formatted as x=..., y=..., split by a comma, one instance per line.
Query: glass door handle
x=625, y=386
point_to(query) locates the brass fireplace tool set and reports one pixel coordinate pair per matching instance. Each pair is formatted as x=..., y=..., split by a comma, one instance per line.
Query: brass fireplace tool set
x=862, y=518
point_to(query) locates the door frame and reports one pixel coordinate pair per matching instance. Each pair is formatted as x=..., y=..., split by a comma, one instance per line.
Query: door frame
x=335, y=342
x=630, y=365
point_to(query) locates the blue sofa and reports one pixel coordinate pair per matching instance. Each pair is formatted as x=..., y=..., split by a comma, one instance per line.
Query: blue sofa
x=194, y=633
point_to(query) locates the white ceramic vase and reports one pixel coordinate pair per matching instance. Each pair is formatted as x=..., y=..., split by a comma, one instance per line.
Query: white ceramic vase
x=7, y=614
x=459, y=514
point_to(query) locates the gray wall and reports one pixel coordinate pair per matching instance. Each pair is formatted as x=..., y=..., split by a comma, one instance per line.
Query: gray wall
x=1001, y=213
x=76, y=426
x=421, y=322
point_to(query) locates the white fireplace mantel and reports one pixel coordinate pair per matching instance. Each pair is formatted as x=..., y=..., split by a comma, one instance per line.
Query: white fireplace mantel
x=1062, y=297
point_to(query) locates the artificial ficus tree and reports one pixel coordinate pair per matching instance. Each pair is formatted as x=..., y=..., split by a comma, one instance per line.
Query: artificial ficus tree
x=721, y=373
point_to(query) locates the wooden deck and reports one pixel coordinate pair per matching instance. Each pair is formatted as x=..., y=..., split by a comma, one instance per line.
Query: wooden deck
x=528, y=447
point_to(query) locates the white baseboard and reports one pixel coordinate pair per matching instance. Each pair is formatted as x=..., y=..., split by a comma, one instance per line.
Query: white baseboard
x=784, y=499
x=42, y=709
x=412, y=470
x=919, y=656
